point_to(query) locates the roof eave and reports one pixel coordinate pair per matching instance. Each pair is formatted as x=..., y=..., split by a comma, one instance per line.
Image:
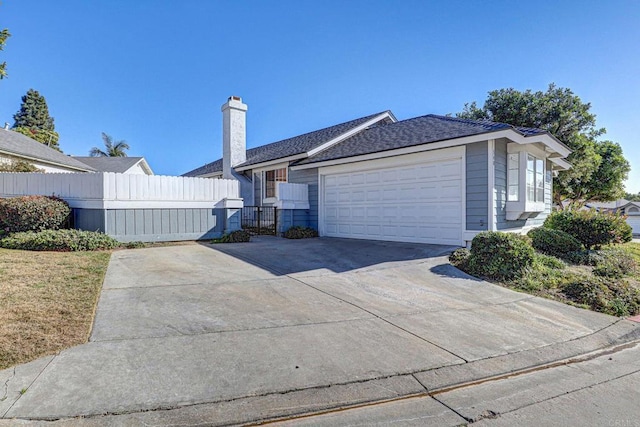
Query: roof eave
x=48, y=162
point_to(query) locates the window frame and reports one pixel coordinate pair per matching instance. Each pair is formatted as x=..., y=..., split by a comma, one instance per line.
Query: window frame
x=269, y=186
x=530, y=180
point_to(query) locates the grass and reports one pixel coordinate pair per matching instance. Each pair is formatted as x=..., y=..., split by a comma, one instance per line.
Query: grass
x=47, y=301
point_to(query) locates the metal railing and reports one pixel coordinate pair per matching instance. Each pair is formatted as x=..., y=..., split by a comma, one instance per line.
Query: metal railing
x=260, y=220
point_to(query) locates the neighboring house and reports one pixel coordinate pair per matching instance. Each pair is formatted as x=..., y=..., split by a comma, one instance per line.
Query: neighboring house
x=429, y=179
x=126, y=165
x=632, y=211
x=623, y=206
x=16, y=146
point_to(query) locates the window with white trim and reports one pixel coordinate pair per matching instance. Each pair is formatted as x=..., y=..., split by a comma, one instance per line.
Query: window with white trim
x=271, y=178
x=513, y=166
x=535, y=179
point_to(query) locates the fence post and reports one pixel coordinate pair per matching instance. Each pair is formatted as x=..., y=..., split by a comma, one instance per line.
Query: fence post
x=275, y=221
x=259, y=209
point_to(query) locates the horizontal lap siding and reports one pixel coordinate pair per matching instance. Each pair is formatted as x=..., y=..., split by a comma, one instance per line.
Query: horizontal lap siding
x=309, y=177
x=477, y=179
x=151, y=225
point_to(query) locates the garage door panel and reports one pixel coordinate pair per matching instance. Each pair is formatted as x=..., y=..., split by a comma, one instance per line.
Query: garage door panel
x=416, y=202
x=634, y=222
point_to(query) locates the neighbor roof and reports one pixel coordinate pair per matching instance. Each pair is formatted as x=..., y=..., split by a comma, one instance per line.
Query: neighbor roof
x=110, y=164
x=19, y=145
x=287, y=147
x=411, y=132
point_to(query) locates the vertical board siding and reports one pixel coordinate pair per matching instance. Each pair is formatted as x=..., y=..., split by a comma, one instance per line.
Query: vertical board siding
x=477, y=179
x=309, y=177
x=151, y=225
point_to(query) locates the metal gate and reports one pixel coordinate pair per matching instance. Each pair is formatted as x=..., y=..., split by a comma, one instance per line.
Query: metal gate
x=260, y=219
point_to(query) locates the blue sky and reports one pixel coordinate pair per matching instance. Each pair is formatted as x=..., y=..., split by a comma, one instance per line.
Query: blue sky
x=155, y=72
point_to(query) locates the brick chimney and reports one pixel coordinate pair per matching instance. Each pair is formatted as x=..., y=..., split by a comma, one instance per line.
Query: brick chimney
x=234, y=135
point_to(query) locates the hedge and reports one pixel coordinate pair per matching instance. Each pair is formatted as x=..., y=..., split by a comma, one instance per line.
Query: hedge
x=593, y=229
x=33, y=213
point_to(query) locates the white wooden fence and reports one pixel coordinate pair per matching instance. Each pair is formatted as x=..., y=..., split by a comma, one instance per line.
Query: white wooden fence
x=292, y=196
x=121, y=191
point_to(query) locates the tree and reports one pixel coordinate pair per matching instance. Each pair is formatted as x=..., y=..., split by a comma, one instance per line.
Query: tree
x=113, y=149
x=632, y=197
x=18, y=166
x=4, y=35
x=34, y=121
x=598, y=167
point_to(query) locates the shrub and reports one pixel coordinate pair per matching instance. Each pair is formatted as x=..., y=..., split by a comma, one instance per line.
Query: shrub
x=590, y=291
x=591, y=228
x=552, y=242
x=33, y=213
x=548, y=261
x=615, y=298
x=614, y=263
x=459, y=258
x=238, y=236
x=59, y=240
x=298, y=232
x=18, y=166
x=500, y=256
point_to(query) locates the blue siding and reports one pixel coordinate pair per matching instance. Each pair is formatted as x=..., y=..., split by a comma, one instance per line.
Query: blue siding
x=477, y=179
x=309, y=177
x=157, y=225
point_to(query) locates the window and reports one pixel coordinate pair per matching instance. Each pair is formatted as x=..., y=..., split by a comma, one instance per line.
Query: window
x=513, y=178
x=535, y=179
x=525, y=184
x=270, y=180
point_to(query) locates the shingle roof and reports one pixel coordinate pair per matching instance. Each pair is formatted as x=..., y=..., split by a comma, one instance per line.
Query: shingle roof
x=411, y=132
x=110, y=164
x=22, y=146
x=287, y=147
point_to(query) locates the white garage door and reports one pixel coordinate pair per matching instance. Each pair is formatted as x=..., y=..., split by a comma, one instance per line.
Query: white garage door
x=411, y=198
x=634, y=222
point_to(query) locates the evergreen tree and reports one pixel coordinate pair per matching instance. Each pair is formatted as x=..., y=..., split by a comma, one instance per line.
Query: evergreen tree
x=34, y=121
x=4, y=35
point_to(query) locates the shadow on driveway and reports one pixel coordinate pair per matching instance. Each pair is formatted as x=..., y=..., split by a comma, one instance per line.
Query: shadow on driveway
x=285, y=256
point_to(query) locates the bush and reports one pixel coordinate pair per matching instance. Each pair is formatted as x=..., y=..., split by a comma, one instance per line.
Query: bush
x=500, y=256
x=238, y=236
x=33, y=213
x=591, y=228
x=459, y=258
x=614, y=263
x=298, y=232
x=552, y=242
x=59, y=240
x=615, y=298
x=548, y=261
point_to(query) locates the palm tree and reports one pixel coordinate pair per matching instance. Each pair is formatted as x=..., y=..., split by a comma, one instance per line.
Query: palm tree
x=116, y=149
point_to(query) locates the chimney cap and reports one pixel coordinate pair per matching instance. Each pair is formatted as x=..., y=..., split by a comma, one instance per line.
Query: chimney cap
x=235, y=98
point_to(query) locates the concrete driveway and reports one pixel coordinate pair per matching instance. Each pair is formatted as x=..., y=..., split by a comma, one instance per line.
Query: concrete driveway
x=223, y=334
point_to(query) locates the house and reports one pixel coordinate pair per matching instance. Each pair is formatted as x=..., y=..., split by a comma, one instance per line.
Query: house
x=429, y=179
x=623, y=206
x=126, y=165
x=16, y=146
x=632, y=211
